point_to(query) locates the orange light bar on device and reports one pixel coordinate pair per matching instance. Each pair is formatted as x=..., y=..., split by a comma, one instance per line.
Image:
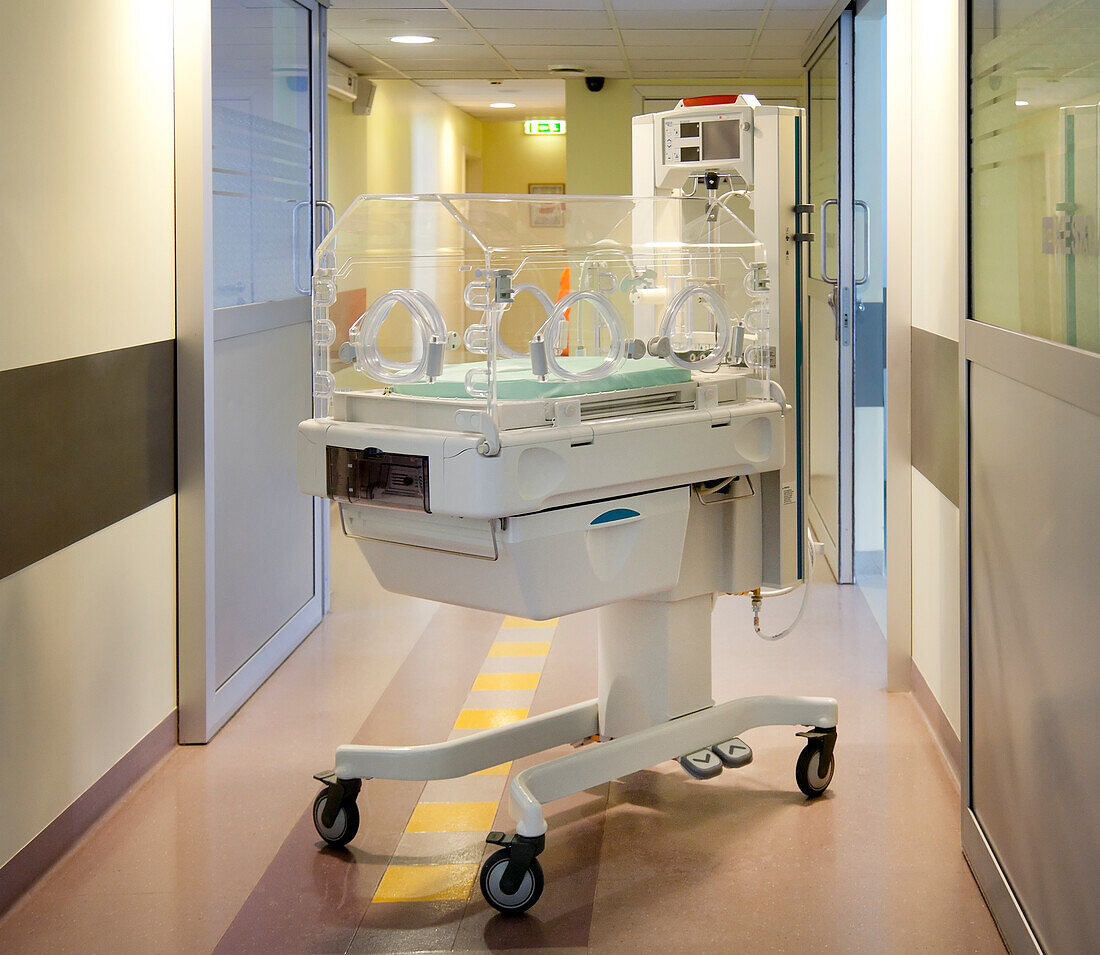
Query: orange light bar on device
x=721, y=99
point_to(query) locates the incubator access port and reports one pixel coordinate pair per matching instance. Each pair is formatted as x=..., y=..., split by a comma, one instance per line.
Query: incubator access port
x=374, y=477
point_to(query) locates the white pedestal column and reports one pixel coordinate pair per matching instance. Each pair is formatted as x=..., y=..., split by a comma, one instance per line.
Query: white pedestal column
x=654, y=662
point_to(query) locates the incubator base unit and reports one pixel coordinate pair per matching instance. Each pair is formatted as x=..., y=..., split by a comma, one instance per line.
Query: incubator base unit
x=501, y=429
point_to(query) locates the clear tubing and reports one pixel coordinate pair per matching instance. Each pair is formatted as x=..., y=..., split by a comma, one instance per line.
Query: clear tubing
x=721, y=317
x=811, y=548
x=547, y=307
x=364, y=334
x=611, y=318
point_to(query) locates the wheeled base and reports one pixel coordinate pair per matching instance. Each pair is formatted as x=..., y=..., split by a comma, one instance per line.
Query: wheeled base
x=511, y=879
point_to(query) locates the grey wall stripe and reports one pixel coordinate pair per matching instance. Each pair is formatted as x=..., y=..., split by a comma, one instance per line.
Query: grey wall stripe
x=935, y=414
x=86, y=442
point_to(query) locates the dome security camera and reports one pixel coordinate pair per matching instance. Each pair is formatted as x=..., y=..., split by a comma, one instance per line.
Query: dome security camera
x=594, y=83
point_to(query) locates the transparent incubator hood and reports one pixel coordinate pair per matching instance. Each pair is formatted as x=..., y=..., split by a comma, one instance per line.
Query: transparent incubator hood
x=483, y=299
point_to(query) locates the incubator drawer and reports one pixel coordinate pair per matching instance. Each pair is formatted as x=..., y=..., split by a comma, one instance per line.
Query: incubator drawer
x=371, y=476
x=536, y=565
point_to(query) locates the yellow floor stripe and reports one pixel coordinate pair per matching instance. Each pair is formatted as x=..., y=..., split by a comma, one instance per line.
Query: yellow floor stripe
x=502, y=769
x=452, y=817
x=488, y=719
x=522, y=623
x=506, y=681
x=426, y=883
x=455, y=881
x=506, y=648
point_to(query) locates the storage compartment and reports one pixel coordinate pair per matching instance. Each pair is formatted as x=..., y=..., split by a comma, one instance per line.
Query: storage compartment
x=546, y=564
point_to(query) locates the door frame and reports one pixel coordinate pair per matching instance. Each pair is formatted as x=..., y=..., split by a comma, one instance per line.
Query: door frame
x=842, y=560
x=203, y=706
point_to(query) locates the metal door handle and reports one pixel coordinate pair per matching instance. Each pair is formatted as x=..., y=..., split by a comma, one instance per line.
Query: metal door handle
x=825, y=243
x=859, y=203
x=325, y=206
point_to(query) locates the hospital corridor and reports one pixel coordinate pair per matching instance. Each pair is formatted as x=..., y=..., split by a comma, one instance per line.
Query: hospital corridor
x=550, y=475
x=183, y=863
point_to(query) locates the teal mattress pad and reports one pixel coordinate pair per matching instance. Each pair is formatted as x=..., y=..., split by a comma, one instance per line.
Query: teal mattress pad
x=516, y=383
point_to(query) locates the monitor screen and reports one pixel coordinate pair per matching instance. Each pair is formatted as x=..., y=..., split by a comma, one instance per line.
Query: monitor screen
x=722, y=140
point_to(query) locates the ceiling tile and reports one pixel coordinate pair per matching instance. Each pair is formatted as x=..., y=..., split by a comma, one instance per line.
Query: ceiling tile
x=664, y=5
x=550, y=37
x=634, y=38
x=339, y=7
x=784, y=37
x=596, y=67
x=509, y=5
x=795, y=19
x=434, y=74
x=680, y=19
x=680, y=39
x=398, y=20
x=698, y=50
x=564, y=54
x=577, y=21
x=382, y=38
x=474, y=60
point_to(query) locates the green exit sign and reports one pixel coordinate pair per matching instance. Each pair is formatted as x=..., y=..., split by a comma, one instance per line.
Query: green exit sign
x=544, y=127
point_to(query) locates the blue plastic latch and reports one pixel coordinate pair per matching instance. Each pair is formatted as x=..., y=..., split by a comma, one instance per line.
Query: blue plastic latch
x=615, y=514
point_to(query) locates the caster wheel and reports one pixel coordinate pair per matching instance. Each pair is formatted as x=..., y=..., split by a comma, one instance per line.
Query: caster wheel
x=812, y=778
x=530, y=888
x=344, y=826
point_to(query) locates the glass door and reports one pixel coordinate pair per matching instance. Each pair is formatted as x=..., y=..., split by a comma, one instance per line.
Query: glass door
x=828, y=346
x=845, y=344
x=869, y=288
x=267, y=75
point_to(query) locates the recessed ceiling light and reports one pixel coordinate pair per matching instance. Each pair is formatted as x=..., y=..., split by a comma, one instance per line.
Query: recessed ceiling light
x=413, y=38
x=1022, y=102
x=502, y=106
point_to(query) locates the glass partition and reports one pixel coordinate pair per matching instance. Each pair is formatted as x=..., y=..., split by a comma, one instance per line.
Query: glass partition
x=1035, y=142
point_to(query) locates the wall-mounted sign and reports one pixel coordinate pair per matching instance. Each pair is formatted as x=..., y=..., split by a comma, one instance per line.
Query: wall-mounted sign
x=544, y=127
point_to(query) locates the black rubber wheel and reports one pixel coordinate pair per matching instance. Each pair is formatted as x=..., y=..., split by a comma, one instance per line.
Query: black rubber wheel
x=808, y=772
x=523, y=898
x=344, y=826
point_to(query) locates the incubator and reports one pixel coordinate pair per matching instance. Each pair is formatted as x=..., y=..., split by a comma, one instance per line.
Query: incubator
x=540, y=406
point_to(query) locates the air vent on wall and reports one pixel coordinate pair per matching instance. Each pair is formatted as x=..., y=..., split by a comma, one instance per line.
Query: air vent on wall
x=342, y=81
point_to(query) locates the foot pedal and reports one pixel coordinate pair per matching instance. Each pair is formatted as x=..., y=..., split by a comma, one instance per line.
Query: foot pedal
x=733, y=752
x=702, y=765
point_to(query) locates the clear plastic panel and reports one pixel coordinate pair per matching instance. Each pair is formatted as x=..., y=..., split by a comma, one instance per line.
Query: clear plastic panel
x=482, y=298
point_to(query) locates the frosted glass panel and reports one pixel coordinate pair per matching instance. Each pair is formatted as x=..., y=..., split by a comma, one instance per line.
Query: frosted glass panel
x=261, y=148
x=1035, y=143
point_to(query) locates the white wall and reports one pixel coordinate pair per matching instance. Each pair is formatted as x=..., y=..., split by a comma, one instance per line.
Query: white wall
x=87, y=218
x=87, y=667
x=926, y=271
x=87, y=635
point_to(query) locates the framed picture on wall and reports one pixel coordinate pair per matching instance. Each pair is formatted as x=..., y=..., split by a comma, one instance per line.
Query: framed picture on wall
x=547, y=215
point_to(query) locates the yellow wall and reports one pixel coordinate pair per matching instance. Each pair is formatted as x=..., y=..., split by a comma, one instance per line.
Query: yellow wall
x=597, y=148
x=411, y=142
x=415, y=142
x=512, y=160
